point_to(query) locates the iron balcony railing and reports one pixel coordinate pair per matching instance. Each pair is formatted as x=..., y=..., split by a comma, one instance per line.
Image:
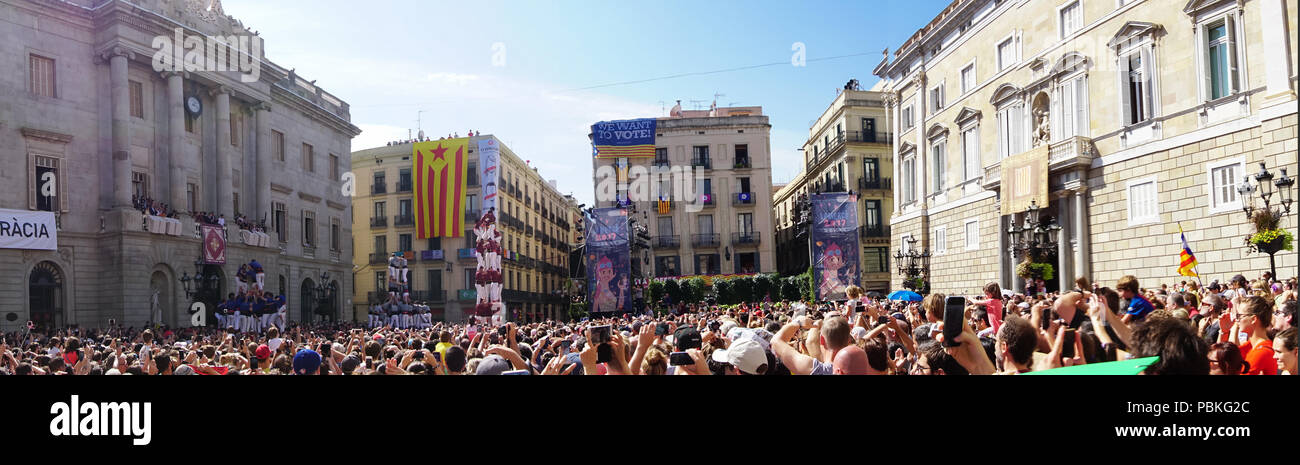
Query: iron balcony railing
x=403, y=220
x=379, y=188
x=745, y=238
x=465, y=254
x=667, y=242
x=404, y=186
x=874, y=232
x=702, y=162
x=704, y=240
x=379, y=221
x=865, y=183
x=378, y=258
x=742, y=198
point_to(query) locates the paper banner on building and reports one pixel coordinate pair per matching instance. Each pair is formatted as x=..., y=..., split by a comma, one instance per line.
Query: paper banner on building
x=28, y=230
x=1024, y=180
x=608, y=261
x=214, y=245
x=489, y=159
x=834, y=244
x=441, y=179
x=624, y=139
x=488, y=247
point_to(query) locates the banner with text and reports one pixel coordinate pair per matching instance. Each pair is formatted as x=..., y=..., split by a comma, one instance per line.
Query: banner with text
x=608, y=261
x=834, y=244
x=28, y=230
x=487, y=245
x=1024, y=180
x=624, y=139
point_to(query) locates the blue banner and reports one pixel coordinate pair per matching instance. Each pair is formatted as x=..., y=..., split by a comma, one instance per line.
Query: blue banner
x=834, y=244
x=608, y=261
x=624, y=139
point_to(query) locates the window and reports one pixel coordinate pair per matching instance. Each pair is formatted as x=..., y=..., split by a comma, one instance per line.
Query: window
x=404, y=242
x=435, y=243
x=308, y=158
x=308, y=229
x=1071, y=103
x=875, y=260
x=381, y=210
x=404, y=208
x=137, y=99
x=972, y=234
x=47, y=171
x=742, y=155
x=871, y=171
x=435, y=281
x=334, y=167
x=139, y=184
x=707, y=264
x=746, y=224
x=191, y=197
x=868, y=129
x=235, y=123
x=1006, y=53
x=277, y=145
x=873, y=215
x=909, y=179
x=280, y=220
x=968, y=78
x=665, y=226
x=1071, y=17
x=1222, y=184
x=1221, y=73
x=970, y=153
x=906, y=119
x=381, y=283
x=704, y=224
x=41, y=78
x=334, y=234
x=381, y=245
x=1011, y=130
x=936, y=98
x=1138, y=94
x=661, y=155
x=938, y=164
x=940, y=240
x=234, y=200
x=1143, y=206
x=667, y=266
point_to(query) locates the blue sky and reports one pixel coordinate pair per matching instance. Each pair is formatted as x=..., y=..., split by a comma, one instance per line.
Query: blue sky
x=390, y=59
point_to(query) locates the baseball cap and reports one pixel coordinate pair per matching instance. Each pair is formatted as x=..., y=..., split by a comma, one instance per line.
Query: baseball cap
x=263, y=352
x=350, y=363
x=687, y=338
x=305, y=362
x=746, y=355
x=726, y=327
x=493, y=365
x=763, y=338
x=184, y=370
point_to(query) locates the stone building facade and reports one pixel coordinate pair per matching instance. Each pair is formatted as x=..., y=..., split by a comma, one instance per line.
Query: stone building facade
x=848, y=149
x=1147, y=114
x=83, y=101
x=534, y=218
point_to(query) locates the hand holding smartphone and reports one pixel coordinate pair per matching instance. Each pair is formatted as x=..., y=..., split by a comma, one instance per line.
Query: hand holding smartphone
x=954, y=315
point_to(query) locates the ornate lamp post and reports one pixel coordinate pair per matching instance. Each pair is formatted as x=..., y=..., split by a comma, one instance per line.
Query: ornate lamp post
x=1268, y=237
x=323, y=299
x=1036, y=238
x=913, y=265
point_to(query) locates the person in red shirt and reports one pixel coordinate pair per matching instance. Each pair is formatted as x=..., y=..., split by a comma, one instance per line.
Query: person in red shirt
x=1254, y=317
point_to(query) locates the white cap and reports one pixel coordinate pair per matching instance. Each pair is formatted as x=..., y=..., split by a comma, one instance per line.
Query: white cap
x=747, y=334
x=725, y=328
x=858, y=332
x=746, y=355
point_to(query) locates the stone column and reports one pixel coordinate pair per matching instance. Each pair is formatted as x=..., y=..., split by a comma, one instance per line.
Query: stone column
x=1063, y=272
x=1277, y=54
x=922, y=163
x=893, y=108
x=224, y=187
x=263, y=112
x=176, y=138
x=1082, y=254
x=121, y=103
x=1002, y=247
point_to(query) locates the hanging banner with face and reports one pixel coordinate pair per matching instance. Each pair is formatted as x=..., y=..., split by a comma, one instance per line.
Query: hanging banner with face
x=28, y=230
x=834, y=244
x=488, y=239
x=608, y=261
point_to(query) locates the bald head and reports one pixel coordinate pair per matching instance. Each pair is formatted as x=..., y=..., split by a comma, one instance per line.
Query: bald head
x=851, y=360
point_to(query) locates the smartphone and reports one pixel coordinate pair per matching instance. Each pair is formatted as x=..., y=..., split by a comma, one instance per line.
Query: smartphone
x=954, y=312
x=1046, y=319
x=370, y=362
x=1067, y=345
x=680, y=359
x=600, y=337
x=437, y=356
x=661, y=329
x=252, y=361
x=882, y=320
x=515, y=372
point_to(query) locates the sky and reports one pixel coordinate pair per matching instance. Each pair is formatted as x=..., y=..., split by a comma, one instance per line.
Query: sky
x=538, y=74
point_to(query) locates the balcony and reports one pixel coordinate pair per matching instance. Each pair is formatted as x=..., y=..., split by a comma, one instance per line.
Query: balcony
x=403, y=220
x=741, y=163
x=666, y=242
x=702, y=162
x=742, y=198
x=467, y=295
x=465, y=254
x=708, y=200
x=379, y=258
x=867, y=184
x=746, y=238
x=704, y=240
x=1069, y=153
x=439, y=295
x=378, y=222
x=472, y=216
x=874, y=232
x=513, y=295
x=378, y=189
x=662, y=161
x=528, y=230
x=404, y=186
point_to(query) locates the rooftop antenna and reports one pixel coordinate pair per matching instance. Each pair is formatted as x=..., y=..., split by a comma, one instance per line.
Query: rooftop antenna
x=419, y=122
x=663, y=106
x=697, y=103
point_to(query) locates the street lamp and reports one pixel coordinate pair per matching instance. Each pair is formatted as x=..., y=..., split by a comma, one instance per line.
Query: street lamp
x=1038, y=235
x=1268, y=217
x=913, y=264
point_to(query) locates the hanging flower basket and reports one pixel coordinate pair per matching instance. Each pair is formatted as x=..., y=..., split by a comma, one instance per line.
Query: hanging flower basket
x=1031, y=270
x=1271, y=241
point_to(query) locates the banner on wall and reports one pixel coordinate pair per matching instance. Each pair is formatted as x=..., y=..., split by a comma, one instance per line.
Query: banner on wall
x=834, y=244
x=214, y=245
x=441, y=179
x=28, y=230
x=487, y=245
x=624, y=139
x=608, y=261
x=1024, y=180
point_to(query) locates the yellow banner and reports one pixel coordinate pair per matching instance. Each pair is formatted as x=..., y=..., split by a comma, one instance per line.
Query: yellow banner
x=1024, y=180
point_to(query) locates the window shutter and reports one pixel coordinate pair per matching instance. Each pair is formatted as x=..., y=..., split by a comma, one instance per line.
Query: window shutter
x=1058, y=103
x=1081, y=106
x=31, y=182
x=1148, y=74
x=1233, y=76
x=1203, y=51
x=1125, y=87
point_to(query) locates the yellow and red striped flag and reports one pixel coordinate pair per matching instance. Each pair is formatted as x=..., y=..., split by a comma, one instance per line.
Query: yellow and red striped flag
x=441, y=181
x=1187, y=261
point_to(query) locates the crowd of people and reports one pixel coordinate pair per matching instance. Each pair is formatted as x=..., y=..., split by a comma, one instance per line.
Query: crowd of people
x=1243, y=327
x=149, y=206
x=210, y=218
x=249, y=225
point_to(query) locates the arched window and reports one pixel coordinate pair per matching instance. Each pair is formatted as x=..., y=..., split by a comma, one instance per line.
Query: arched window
x=46, y=299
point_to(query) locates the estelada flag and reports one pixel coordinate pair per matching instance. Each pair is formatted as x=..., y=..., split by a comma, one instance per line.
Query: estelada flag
x=1186, y=261
x=441, y=180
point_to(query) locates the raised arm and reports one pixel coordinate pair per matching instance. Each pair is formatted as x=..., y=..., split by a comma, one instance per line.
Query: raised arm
x=798, y=363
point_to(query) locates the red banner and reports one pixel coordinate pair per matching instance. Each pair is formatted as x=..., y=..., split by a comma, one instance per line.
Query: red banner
x=214, y=245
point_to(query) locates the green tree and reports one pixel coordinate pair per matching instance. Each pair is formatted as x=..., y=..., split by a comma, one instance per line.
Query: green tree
x=674, y=291
x=577, y=311
x=697, y=289
x=742, y=290
x=722, y=289
x=656, y=293
x=790, y=288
